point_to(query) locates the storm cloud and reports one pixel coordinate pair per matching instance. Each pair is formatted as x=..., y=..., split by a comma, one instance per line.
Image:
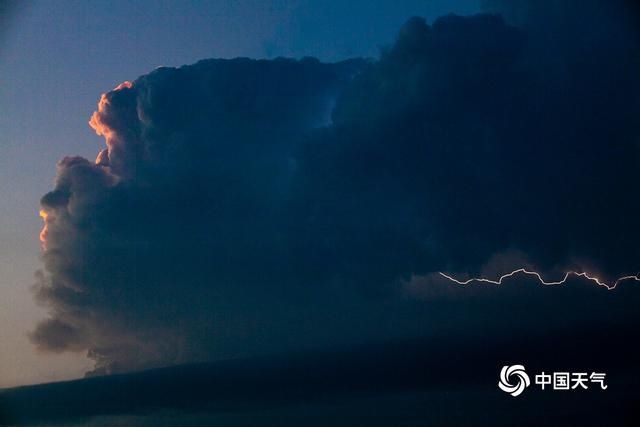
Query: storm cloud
x=246, y=206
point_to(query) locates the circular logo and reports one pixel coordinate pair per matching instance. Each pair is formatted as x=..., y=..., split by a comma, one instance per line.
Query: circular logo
x=513, y=380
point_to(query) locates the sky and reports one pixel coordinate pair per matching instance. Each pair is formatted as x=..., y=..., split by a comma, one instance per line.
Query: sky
x=57, y=58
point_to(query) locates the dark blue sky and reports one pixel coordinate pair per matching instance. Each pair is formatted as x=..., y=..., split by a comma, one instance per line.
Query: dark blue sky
x=56, y=58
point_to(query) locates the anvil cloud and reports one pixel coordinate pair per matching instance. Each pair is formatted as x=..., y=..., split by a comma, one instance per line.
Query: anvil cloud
x=247, y=206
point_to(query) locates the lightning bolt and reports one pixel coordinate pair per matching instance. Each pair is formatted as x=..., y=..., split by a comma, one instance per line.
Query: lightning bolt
x=541, y=280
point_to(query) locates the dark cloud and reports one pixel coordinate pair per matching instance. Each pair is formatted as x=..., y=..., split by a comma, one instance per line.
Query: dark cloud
x=460, y=143
x=177, y=228
x=55, y=335
x=245, y=206
x=398, y=383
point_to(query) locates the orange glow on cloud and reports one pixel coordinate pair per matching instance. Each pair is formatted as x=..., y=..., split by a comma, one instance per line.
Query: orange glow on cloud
x=126, y=84
x=96, y=121
x=45, y=229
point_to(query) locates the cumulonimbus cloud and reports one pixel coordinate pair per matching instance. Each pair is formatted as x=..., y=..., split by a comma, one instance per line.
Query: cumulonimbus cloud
x=244, y=206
